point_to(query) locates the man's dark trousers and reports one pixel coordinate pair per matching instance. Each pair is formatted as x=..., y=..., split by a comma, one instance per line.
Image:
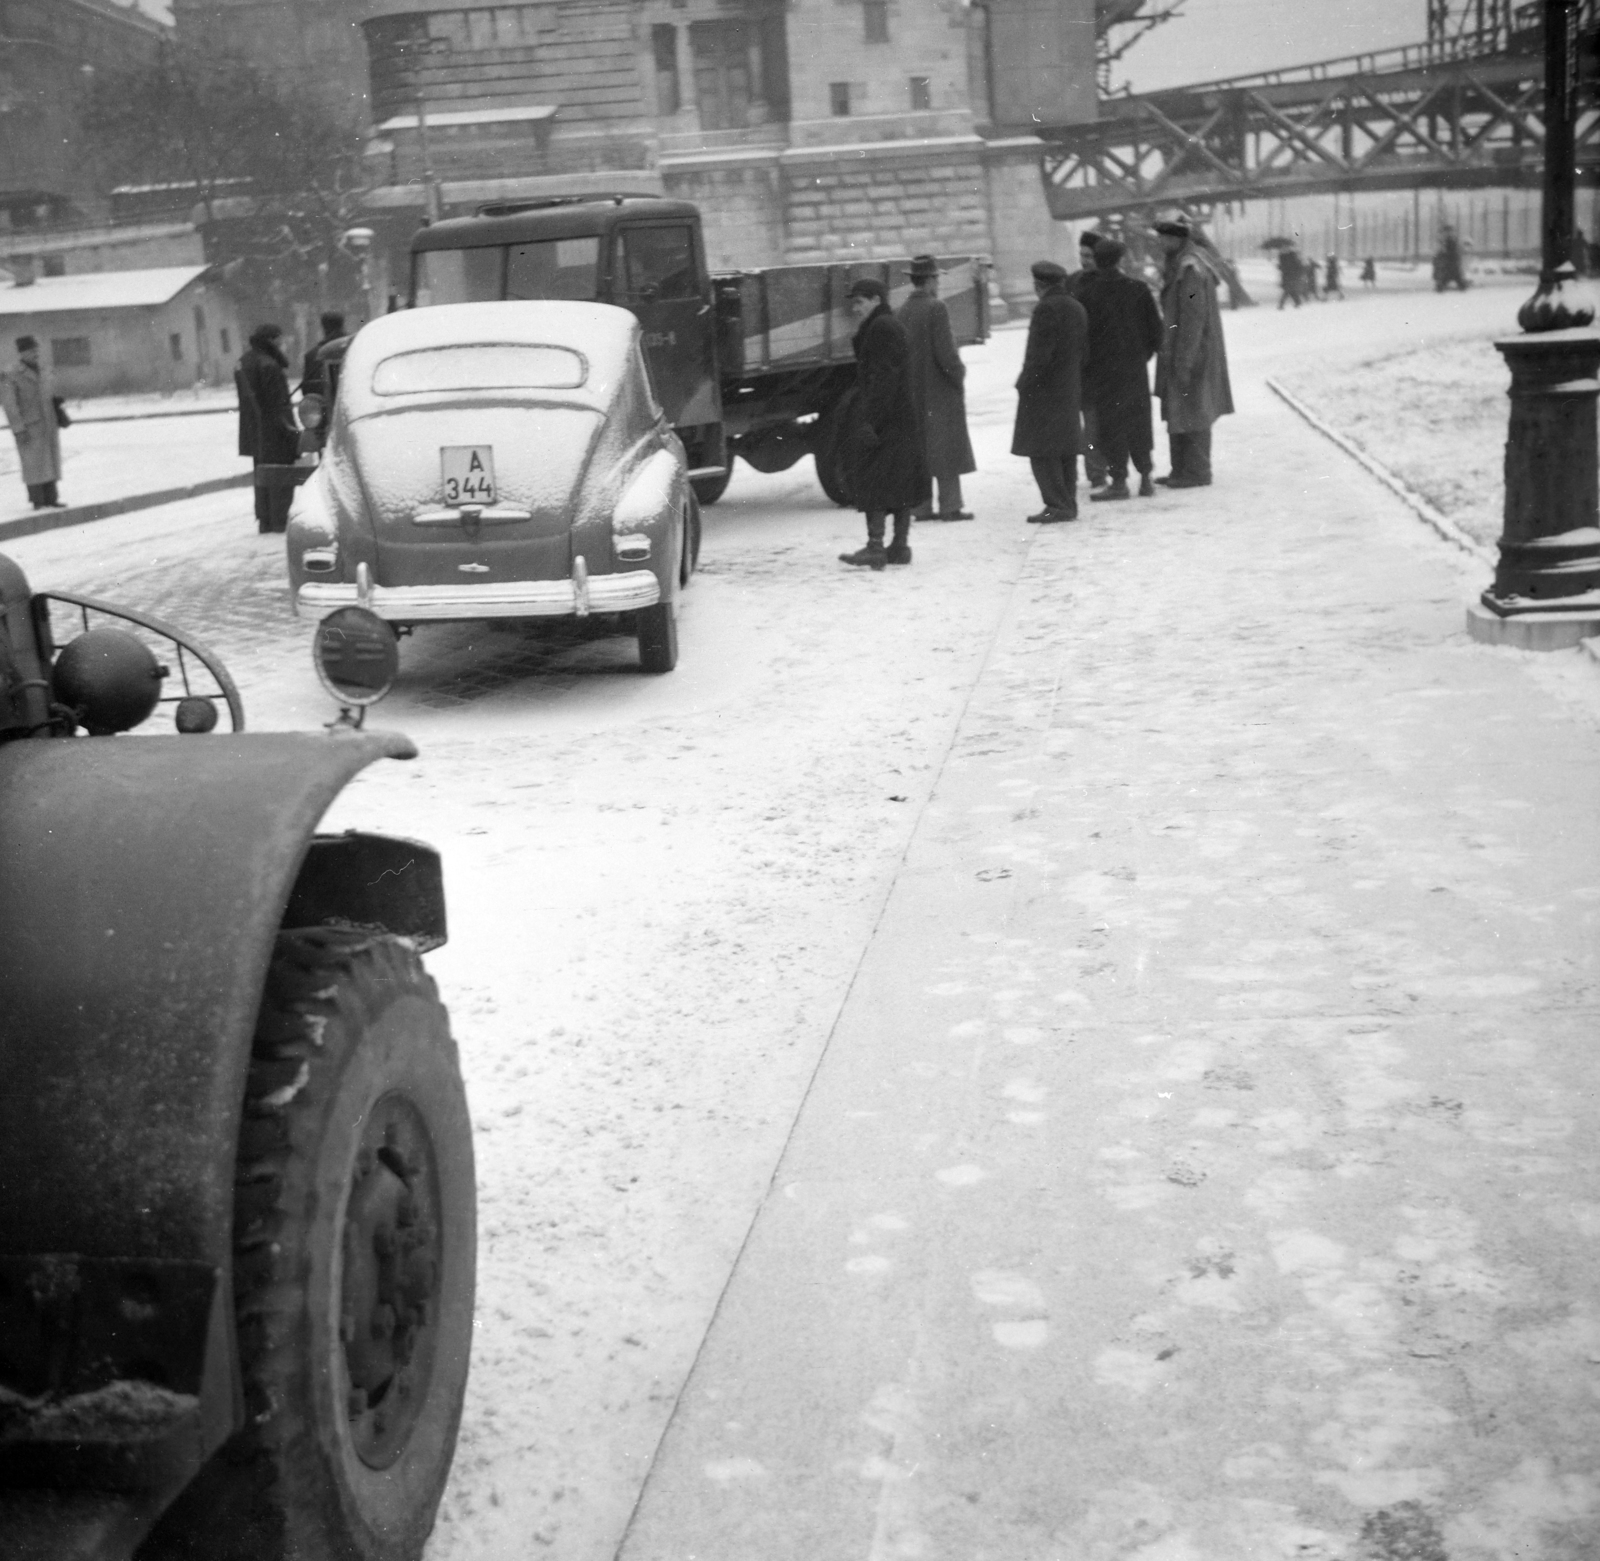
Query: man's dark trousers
x=1057, y=476
x=1191, y=456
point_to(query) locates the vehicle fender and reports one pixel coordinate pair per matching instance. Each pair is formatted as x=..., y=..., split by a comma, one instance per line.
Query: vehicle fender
x=659, y=487
x=142, y=883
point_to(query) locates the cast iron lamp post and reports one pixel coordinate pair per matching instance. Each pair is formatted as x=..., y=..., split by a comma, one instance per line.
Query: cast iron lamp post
x=1546, y=591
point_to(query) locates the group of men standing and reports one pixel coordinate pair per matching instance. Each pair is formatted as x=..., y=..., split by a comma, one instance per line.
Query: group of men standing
x=1084, y=389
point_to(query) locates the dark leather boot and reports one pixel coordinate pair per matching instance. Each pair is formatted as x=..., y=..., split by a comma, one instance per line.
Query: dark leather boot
x=872, y=556
x=899, y=549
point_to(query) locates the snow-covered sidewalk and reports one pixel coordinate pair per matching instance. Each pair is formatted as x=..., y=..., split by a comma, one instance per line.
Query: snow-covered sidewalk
x=114, y=461
x=1202, y=1165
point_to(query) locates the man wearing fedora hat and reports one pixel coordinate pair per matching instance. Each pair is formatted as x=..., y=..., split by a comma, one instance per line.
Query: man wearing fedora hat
x=1049, y=427
x=31, y=412
x=937, y=379
x=1192, y=366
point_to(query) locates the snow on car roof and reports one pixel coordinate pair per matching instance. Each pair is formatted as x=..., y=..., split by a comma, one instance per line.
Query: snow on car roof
x=605, y=336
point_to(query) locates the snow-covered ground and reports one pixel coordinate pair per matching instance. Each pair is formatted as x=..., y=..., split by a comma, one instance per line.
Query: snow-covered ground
x=660, y=889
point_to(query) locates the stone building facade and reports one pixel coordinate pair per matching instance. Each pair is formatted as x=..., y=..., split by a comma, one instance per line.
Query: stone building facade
x=804, y=129
x=50, y=51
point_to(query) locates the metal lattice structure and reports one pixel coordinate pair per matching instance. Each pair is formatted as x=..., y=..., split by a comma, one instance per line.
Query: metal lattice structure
x=1462, y=110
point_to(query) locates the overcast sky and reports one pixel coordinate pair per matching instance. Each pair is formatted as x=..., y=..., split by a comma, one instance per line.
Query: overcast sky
x=1232, y=37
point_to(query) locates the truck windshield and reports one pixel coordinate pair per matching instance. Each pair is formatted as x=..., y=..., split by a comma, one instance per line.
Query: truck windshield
x=555, y=268
x=565, y=268
x=459, y=276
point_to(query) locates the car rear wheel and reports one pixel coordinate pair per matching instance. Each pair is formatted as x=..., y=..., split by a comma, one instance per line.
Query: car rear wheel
x=658, y=637
x=354, y=1237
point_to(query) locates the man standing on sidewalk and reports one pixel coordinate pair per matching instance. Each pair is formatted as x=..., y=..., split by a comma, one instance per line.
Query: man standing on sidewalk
x=1192, y=369
x=1049, y=425
x=319, y=378
x=937, y=379
x=883, y=444
x=31, y=412
x=267, y=430
x=1094, y=458
x=1124, y=334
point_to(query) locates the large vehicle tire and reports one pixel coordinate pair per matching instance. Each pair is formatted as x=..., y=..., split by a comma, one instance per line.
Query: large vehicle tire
x=709, y=489
x=354, y=1248
x=657, y=628
x=829, y=451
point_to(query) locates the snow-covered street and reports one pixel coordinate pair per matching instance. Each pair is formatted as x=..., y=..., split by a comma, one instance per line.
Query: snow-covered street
x=1201, y=1165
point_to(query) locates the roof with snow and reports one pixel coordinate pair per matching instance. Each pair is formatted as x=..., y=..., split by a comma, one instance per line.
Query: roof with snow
x=91, y=290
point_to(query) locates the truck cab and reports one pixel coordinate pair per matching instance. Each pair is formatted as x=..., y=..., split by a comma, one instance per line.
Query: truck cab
x=641, y=252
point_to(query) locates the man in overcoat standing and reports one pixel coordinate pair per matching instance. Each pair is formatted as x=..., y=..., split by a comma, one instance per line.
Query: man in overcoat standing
x=268, y=433
x=1124, y=334
x=1192, y=368
x=883, y=443
x=938, y=378
x=31, y=412
x=1049, y=425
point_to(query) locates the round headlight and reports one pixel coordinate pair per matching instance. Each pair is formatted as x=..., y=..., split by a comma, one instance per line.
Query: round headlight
x=108, y=679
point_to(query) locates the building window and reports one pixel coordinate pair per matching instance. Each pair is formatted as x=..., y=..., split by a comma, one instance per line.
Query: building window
x=875, y=13
x=669, y=97
x=175, y=344
x=921, y=92
x=839, y=97
x=54, y=265
x=69, y=352
x=227, y=342
x=741, y=72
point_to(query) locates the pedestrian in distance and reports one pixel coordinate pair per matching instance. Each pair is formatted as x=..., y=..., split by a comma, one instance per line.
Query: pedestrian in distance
x=1335, y=279
x=1290, y=277
x=1312, y=290
x=938, y=380
x=1124, y=334
x=36, y=418
x=1094, y=461
x=268, y=433
x=319, y=380
x=883, y=456
x=1369, y=272
x=1192, y=366
x=1049, y=426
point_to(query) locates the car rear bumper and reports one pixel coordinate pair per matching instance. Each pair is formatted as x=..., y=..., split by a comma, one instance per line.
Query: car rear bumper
x=508, y=599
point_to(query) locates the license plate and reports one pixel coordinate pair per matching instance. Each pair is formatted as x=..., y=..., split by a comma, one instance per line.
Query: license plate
x=468, y=473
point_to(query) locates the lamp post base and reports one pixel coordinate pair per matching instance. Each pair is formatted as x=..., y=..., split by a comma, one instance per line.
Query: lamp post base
x=1554, y=624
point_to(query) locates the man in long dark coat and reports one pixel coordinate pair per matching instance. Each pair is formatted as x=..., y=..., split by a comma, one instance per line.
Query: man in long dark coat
x=1124, y=334
x=1192, y=369
x=1049, y=425
x=319, y=378
x=30, y=409
x=938, y=378
x=268, y=433
x=883, y=443
x=1094, y=458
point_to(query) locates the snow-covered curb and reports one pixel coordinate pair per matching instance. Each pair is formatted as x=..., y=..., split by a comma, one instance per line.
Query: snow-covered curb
x=1413, y=500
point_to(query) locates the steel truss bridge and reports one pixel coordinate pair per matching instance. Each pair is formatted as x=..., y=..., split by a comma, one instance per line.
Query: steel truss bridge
x=1457, y=112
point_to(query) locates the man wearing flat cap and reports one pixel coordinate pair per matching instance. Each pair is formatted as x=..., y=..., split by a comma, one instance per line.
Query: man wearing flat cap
x=1049, y=426
x=1124, y=334
x=888, y=475
x=938, y=378
x=1192, y=367
x=1094, y=461
x=31, y=412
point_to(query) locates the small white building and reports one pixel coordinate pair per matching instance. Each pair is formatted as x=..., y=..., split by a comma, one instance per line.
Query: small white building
x=108, y=332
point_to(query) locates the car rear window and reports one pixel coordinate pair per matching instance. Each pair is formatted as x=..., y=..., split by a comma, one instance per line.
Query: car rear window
x=480, y=366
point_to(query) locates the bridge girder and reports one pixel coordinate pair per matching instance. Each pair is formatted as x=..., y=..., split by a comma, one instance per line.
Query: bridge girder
x=1447, y=123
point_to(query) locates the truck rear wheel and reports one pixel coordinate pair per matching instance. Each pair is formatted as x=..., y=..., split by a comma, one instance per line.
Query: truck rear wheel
x=354, y=1247
x=829, y=450
x=709, y=489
